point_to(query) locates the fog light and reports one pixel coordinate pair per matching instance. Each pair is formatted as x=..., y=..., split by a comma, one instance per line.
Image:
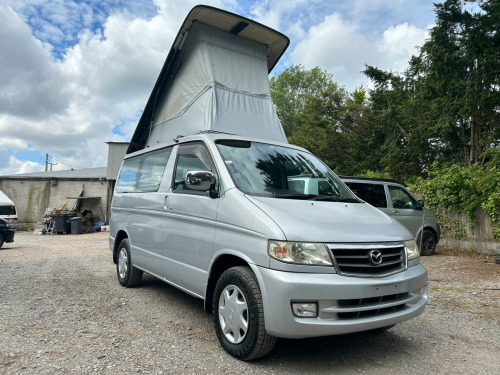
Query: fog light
x=305, y=310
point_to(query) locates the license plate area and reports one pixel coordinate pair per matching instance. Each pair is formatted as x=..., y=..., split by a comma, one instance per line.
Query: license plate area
x=386, y=289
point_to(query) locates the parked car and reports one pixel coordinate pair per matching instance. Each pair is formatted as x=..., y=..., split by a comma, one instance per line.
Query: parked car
x=394, y=199
x=6, y=233
x=8, y=210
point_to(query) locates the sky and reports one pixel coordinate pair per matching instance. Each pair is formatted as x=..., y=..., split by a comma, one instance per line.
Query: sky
x=75, y=74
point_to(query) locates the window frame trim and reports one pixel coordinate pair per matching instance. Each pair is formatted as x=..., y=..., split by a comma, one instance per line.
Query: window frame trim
x=199, y=193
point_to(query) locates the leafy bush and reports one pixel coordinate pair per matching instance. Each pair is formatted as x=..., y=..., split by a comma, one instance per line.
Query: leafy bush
x=463, y=189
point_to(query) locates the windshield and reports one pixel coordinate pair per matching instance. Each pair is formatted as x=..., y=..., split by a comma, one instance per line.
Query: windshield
x=281, y=172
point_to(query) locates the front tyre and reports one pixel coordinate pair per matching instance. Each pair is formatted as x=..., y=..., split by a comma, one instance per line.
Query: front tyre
x=239, y=315
x=428, y=243
x=128, y=275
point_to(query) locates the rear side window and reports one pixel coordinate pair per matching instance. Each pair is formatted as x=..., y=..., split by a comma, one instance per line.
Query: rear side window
x=371, y=193
x=7, y=210
x=143, y=173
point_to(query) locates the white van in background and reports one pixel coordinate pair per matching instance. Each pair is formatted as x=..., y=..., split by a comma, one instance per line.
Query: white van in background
x=8, y=210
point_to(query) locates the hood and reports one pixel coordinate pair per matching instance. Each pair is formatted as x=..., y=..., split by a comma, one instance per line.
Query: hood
x=330, y=222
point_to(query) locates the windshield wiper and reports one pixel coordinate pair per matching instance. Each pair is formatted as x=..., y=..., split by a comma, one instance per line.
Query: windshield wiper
x=295, y=196
x=334, y=199
x=314, y=197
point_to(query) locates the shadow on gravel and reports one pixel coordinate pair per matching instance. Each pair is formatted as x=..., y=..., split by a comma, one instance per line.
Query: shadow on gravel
x=306, y=355
x=349, y=351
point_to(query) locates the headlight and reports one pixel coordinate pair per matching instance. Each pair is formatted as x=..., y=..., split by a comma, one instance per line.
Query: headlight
x=412, y=250
x=300, y=253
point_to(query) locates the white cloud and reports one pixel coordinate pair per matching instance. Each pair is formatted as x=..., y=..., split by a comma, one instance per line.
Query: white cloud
x=79, y=75
x=10, y=165
x=342, y=48
x=285, y=15
x=336, y=46
x=400, y=42
x=13, y=144
x=69, y=107
x=28, y=76
x=25, y=167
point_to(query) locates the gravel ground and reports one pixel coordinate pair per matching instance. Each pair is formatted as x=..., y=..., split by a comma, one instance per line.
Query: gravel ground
x=62, y=310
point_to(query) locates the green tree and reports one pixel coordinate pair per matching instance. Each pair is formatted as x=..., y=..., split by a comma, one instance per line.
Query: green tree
x=460, y=67
x=293, y=89
x=310, y=106
x=446, y=105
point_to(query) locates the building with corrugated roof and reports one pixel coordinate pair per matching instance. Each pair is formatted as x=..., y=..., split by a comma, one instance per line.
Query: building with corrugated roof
x=89, y=189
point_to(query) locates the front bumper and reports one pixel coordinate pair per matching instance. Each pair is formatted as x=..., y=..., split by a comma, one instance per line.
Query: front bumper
x=345, y=304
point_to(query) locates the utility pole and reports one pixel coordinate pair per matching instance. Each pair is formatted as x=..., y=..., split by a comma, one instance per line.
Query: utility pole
x=46, y=161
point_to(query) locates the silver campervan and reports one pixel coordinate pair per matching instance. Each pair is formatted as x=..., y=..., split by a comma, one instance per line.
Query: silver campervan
x=212, y=199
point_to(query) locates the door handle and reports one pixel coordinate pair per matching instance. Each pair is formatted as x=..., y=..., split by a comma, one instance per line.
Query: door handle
x=165, y=203
x=395, y=212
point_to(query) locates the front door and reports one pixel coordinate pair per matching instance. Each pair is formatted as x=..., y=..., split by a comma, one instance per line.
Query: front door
x=404, y=209
x=190, y=222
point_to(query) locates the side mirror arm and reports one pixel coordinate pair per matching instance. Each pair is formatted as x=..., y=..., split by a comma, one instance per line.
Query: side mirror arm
x=212, y=193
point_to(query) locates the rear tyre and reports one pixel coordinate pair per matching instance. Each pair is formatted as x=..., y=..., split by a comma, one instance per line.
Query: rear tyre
x=239, y=315
x=428, y=243
x=128, y=275
x=1, y=241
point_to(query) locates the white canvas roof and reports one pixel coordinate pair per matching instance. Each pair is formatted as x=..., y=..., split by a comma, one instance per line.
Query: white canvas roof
x=215, y=78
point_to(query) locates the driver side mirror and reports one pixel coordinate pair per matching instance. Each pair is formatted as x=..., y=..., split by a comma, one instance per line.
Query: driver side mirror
x=420, y=204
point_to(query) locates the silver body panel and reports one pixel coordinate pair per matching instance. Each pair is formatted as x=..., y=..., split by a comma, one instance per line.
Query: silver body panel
x=327, y=290
x=178, y=237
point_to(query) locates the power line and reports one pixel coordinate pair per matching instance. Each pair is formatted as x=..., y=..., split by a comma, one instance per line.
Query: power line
x=63, y=162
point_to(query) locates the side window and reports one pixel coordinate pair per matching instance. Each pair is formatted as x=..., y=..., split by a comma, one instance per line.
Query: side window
x=152, y=170
x=191, y=157
x=371, y=193
x=401, y=198
x=128, y=176
x=143, y=173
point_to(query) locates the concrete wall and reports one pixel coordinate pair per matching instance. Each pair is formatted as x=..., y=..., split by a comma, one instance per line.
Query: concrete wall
x=33, y=196
x=457, y=232
x=116, y=152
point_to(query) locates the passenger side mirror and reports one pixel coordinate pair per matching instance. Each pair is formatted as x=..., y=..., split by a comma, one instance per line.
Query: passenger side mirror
x=420, y=204
x=199, y=180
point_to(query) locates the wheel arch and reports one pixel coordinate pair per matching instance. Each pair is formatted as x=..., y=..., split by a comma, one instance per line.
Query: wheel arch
x=120, y=236
x=221, y=264
x=430, y=229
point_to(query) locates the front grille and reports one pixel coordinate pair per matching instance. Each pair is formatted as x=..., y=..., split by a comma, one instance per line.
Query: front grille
x=369, y=259
x=373, y=306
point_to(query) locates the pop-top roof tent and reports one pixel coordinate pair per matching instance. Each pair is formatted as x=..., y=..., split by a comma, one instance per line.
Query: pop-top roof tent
x=215, y=78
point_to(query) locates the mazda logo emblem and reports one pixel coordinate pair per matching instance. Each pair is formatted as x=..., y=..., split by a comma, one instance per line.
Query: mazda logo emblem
x=375, y=257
